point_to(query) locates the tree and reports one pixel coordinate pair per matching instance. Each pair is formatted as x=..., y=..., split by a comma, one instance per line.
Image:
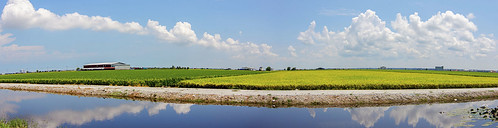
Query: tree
x=268, y=68
x=293, y=69
x=288, y=68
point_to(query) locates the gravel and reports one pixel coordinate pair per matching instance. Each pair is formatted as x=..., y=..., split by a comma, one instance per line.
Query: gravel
x=274, y=98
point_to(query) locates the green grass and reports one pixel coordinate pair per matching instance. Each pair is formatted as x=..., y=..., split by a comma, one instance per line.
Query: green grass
x=349, y=79
x=153, y=77
x=15, y=123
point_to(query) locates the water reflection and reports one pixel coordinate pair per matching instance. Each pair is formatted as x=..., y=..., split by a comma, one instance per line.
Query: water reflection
x=435, y=114
x=9, y=99
x=56, y=118
x=367, y=116
x=98, y=112
x=413, y=113
x=312, y=112
x=181, y=108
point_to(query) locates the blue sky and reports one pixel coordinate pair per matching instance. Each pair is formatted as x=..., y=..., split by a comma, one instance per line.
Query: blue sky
x=49, y=34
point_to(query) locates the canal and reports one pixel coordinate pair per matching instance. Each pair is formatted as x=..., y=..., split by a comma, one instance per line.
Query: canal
x=54, y=110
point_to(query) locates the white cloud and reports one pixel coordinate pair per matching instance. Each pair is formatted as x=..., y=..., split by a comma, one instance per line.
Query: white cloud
x=20, y=14
x=15, y=52
x=470, y=16
x=443, y=35
x=182, y=32
x=216, y=42
x=5, y=38
x=292, y=50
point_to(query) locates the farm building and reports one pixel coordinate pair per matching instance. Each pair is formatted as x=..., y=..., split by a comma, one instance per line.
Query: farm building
x=439, y=68
x=247, y=68
x=106, y=66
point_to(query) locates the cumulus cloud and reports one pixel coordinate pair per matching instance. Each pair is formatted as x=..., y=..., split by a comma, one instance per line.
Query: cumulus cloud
x=181, y=32
x=20, y=14
x=215, y=41
x=368, y=36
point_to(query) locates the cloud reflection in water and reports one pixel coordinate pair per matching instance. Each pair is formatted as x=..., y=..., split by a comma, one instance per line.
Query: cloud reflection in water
x=12, y=102
x=7, y=97
x=9, y=105
x=367, y=116
x=431, y=113
x=56, y=118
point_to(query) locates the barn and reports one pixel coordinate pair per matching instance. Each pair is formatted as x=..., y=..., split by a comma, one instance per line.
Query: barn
x=106, y=66
x=439, y=67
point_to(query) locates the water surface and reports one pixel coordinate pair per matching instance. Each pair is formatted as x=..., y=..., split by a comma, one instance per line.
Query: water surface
x=53, y=110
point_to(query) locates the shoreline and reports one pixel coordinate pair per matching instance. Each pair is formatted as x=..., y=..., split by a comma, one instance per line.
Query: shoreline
x=267, y=98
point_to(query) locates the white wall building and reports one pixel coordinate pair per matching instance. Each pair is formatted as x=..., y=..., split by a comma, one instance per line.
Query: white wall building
x=106, y=66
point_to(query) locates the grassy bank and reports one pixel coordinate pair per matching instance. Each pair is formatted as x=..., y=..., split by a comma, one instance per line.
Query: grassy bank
x=348, y=79
x=152, y=78
x=15, y=123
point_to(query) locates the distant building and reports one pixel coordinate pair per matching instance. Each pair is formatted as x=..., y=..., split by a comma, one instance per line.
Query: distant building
x=439, y=67
x=383, y=67
x=247, y=68
x=106, y=66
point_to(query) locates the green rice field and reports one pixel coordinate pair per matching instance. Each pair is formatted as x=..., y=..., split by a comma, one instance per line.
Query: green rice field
x=275, y=80
x=151, y=77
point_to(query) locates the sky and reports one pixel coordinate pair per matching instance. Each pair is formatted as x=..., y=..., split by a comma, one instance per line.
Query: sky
x=62, y=34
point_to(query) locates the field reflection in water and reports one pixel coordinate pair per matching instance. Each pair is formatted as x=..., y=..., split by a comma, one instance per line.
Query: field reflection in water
x=51, y=110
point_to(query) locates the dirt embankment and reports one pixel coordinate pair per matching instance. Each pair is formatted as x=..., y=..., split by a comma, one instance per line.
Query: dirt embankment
x=268, y=98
